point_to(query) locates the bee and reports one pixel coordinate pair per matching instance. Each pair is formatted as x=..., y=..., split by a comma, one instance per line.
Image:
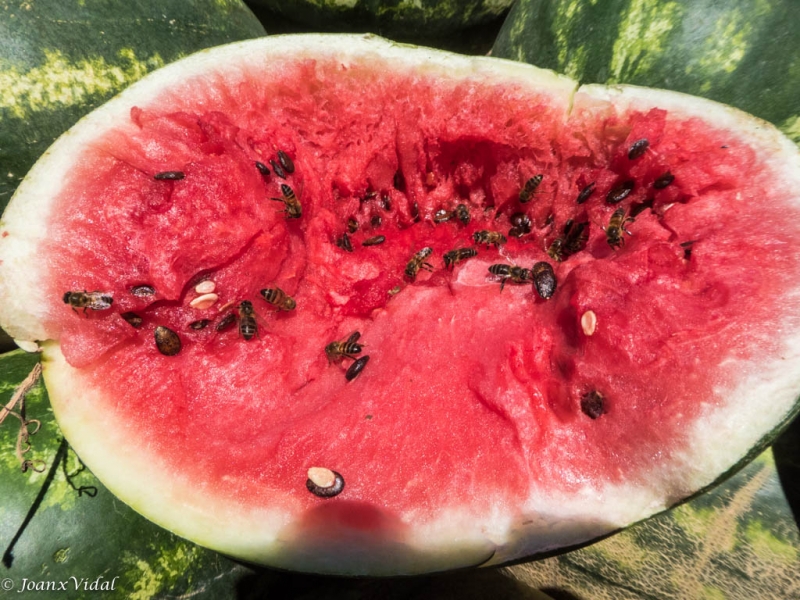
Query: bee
x=529, y=189
x=347, y=348
x=616, y=225
x=247, y=320
x=278, y=298
x=510, y=272
x=489, y=238
x=417, y=262
x=462, y=214
x=293, y=209
x=573, y=240
x=87, y=300
x=452, y=258
x=521, y=225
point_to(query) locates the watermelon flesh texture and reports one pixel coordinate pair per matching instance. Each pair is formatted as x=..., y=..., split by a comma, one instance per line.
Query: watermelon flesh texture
x=463, y=440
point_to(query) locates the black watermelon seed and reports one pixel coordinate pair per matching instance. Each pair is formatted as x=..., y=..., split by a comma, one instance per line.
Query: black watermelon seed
x=376, y=221
x=544, y=279
x=327, y=492
x=374, y=241
x=638, y=148
x=169, y=176
x=344, y=243
x=198, y=325
x=639, y=207
x=352, y=225
x=355, y=369
x=278, y=169
x=415, y=211
x=687, y=249
x=167, y=341
x=593, y=404
x=132, y=318
x=262, y=168
x=663, y=181
x=386, y=202
x=285, y=161
x=619, y=193
x=226, y=322
x=585, y=193
x=143, y=290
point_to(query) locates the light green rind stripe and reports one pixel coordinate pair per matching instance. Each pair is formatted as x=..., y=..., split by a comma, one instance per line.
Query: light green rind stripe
x=58, y=82
x=791, y=127
x=642, y=37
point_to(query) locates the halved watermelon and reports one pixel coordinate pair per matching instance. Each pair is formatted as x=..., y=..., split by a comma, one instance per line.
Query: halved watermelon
x=580, y=306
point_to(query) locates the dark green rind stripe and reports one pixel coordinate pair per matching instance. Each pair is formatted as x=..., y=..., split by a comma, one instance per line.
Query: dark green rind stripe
x=62, y=58
x=404, y=19
x=745, y=53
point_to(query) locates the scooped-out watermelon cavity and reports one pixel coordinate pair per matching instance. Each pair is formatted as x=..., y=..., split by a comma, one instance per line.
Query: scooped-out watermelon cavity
x=430, y=203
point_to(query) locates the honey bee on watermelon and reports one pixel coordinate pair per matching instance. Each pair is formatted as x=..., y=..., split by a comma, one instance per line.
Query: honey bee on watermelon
x=248, y=328
x=510, y=273
x=529, y=189
x=573, y=240
x=460, y=212
x=489, y=238
x=417, y=262
x=347, y=348
x=278, y=298
x=453, y=257
x=88, y=300
x=616, y=227
x=293, y=208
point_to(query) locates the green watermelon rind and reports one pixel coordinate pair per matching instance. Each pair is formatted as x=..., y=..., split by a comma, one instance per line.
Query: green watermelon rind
x=446, y=545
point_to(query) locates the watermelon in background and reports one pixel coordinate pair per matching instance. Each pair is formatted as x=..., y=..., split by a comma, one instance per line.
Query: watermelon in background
x=437, y=23
x=59, y=59
x=745, y=53
x=738, y=541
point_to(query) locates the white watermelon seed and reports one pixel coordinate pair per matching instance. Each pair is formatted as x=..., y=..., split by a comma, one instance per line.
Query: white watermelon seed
x=205, y=287
x=205, y=301
x=589, y=322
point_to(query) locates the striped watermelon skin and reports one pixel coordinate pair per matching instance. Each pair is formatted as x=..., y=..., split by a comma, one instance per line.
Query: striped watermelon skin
x=401, y=19
x=60, y=59
x=745, y=53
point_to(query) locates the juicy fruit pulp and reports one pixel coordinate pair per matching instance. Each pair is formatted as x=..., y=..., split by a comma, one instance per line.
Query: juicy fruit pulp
x=490, y=422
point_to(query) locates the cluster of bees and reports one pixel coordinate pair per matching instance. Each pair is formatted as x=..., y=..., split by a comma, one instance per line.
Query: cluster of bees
x=571, y=239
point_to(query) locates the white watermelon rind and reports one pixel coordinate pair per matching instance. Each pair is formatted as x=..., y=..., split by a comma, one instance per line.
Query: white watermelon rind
x=455, y=540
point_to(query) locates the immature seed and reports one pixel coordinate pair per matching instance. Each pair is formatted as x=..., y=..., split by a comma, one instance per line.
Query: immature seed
x=619, y=193
x=169, y=175
x=355, y=369
x=585, y=193
x=592, y=404
x=200, y=324
x=374, y=241
x=278, y=169
x=132, y=318
x=324, y=483
x=204, y=302
x=638, y=148
x=167, y=341
x=141, y=291
x=544, y=279
x=589, y=322
x=664, y=180
x=205, y=287
x=285, y=161
x=262, y=168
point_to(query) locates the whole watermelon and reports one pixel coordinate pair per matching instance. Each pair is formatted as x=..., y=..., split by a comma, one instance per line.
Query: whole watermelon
x=400, y=19
x=59, y=60
x=745, y=53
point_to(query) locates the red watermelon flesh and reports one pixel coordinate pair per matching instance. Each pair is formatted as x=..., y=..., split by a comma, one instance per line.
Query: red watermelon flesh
x=465, y=434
